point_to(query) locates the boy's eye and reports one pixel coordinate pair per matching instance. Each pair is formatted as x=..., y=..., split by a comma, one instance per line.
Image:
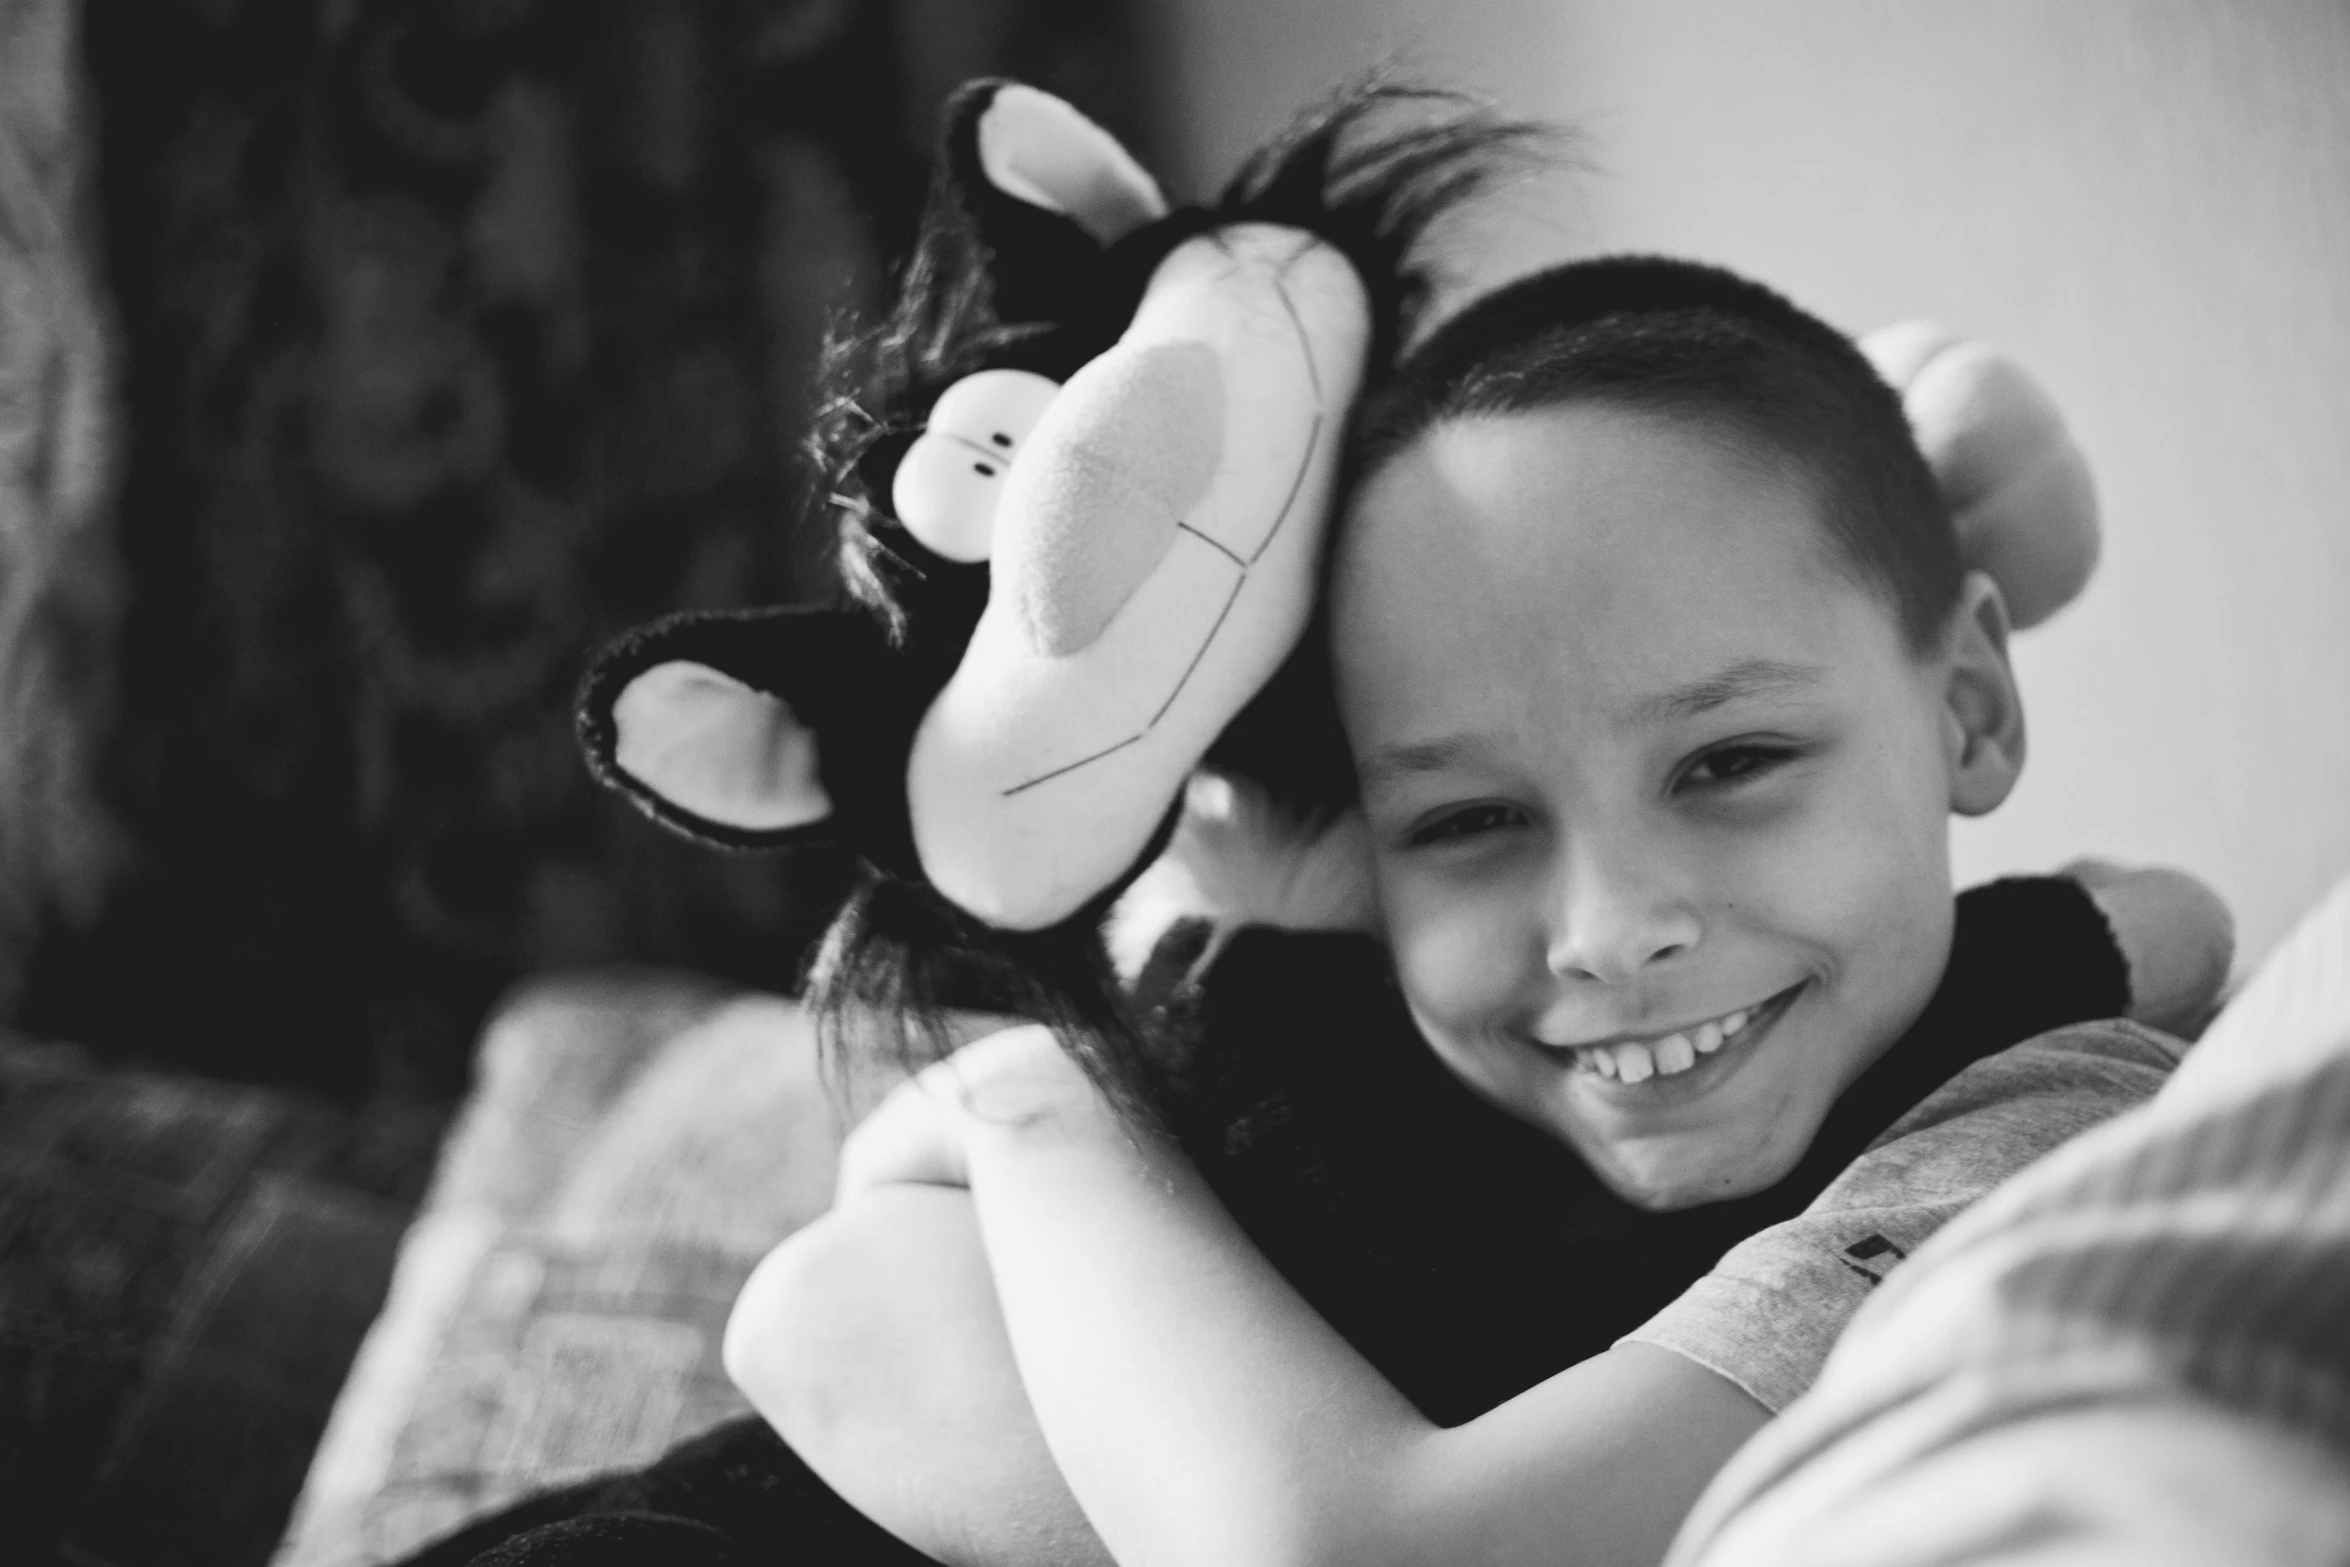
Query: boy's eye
x=1467, y=822
x=1737, y=763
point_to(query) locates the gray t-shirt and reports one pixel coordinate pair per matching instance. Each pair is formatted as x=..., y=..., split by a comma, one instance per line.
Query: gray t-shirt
x=1771, y=1309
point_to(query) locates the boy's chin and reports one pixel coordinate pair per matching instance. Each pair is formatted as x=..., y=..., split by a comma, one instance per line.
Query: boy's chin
x=1656, y=1175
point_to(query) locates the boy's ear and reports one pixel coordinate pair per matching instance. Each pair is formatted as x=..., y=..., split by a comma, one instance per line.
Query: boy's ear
x=1983, y=711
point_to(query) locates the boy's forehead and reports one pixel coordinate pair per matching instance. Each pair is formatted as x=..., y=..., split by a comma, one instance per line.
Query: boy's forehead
x=1583, y=483
x=1632, y=550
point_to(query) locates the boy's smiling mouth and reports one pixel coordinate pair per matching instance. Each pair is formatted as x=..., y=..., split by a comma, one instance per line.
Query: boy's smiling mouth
x=1636, y=1059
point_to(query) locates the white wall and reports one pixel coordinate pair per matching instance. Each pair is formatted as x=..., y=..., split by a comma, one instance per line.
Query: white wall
x=2147, y=201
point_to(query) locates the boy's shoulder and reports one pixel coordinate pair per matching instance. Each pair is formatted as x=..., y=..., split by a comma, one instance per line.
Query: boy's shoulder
x=2006, y=1109
x=1770, y=1310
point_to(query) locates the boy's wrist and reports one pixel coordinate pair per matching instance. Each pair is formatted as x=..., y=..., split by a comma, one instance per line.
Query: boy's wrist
x=1015, y=1085
x=1019, y=1087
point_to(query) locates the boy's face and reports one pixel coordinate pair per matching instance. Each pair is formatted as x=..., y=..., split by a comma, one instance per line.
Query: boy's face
x=1658, y=795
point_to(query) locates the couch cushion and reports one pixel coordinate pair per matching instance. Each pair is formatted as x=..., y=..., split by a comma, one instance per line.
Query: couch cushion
x=633, y=1148
x=186, y=1268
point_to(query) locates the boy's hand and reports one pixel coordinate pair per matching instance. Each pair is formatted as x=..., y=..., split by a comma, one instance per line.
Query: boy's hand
x=914, y=1137
x=920, y=1134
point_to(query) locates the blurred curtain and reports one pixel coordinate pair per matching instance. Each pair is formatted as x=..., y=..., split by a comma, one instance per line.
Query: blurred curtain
x=457, y=335
x=58, y=582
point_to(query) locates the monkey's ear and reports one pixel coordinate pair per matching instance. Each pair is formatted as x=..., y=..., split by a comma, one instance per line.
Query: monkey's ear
x=1046, y=189
x=717, y=752
x=756, y=729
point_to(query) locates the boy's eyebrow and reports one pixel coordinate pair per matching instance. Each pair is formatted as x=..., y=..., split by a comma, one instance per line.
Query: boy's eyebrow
x=1388, y=762
x=1749, y=678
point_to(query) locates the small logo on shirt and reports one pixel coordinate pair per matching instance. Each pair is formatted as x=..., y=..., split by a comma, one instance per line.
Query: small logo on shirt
x=1873, y=1250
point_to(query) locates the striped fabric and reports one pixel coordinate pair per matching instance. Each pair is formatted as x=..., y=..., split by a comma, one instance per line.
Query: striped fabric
x=2137, y=1351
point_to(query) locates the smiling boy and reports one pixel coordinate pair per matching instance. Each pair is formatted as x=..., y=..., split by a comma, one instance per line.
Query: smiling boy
x=1661, y=848
x=1661, y=678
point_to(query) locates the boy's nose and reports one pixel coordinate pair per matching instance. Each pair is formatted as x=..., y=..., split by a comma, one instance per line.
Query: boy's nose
x=1609, y=925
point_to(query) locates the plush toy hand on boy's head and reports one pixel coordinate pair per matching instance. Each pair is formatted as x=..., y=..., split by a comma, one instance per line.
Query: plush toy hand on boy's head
x=2020, y=496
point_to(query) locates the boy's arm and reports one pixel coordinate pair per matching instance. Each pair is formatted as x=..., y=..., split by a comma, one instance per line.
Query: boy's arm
x=872, y=1342
x=1203, y=1410
x=1152, y=1280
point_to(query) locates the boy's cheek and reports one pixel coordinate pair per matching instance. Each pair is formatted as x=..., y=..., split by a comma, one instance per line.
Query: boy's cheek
x=1839, y=871
x=1869, y=891
x=1460, y=961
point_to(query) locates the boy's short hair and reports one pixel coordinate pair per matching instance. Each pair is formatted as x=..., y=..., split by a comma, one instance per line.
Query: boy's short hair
x=1679, y=337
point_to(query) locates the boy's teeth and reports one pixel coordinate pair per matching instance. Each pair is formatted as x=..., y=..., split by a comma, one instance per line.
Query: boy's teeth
x=1639, y=1061
x=1674, y=1053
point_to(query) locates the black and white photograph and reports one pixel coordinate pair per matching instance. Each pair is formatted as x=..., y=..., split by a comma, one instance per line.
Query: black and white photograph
x=1175, y=783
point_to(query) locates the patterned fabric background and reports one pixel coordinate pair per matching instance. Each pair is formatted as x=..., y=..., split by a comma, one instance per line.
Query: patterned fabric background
x=459, y=334
x=58, y=586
